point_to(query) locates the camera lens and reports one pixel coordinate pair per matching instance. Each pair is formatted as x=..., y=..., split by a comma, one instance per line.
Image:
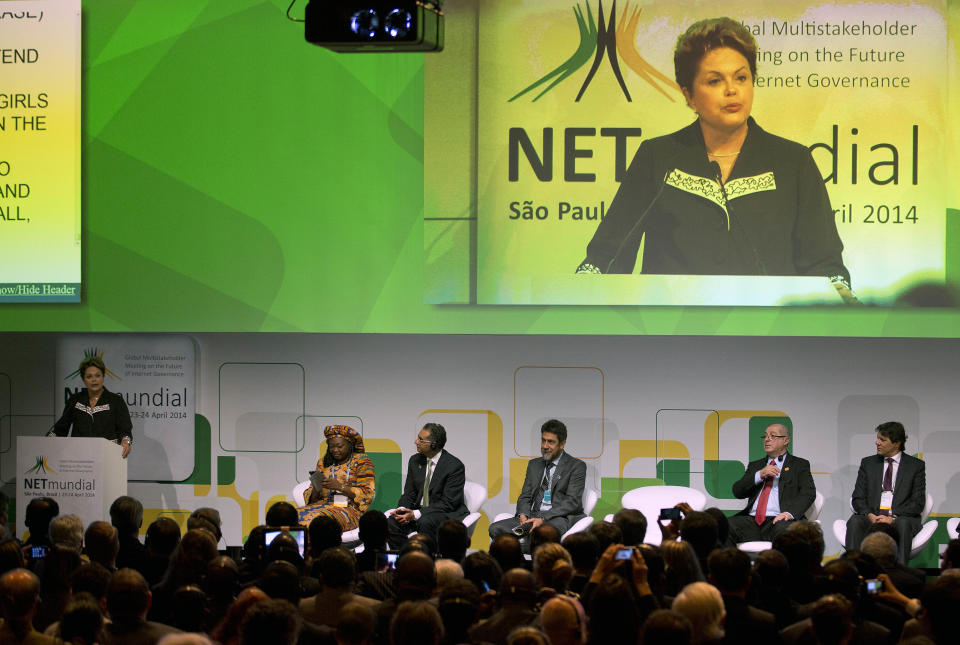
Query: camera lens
x=365, y=23
x=398, y=22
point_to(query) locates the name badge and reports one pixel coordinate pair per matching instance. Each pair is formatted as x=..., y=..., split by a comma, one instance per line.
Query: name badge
x=886, y=500
x=339, y=500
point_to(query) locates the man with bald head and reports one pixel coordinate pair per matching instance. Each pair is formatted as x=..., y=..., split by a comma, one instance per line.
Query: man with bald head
x=564, y=621
x=779, y=489
x=517, y=599
x=19, y=596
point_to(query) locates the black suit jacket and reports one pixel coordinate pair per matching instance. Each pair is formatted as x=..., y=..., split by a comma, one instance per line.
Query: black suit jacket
x=797, y=490
x=909, y=491
x=865, y=632
x=908, y=581
x=747, y=624
x=567, y=482
x=446, y=486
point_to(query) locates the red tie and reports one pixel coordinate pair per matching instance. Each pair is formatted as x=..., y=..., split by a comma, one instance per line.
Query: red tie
x=764, y=496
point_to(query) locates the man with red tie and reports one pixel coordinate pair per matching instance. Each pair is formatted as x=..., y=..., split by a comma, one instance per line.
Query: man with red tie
x=779, y=488
x=891, y=489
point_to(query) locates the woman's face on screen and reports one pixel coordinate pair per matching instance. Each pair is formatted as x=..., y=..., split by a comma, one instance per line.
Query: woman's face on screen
x=93, y=379
x=722, y=92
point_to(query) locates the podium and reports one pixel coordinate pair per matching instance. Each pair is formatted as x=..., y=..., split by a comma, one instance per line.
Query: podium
x=83, y=474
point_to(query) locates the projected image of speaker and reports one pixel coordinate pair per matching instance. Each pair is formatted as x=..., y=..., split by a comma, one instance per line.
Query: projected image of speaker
x=373, y=26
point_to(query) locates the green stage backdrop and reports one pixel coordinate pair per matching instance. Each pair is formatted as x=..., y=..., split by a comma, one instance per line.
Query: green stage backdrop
x=235, y=178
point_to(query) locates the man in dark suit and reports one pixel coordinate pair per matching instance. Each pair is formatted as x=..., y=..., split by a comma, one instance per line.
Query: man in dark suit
x=552, y=488
x=891, y=488
x=883, y=548
x=128, y=600
x=729, y=571
x=779, y=489
x=433, y=490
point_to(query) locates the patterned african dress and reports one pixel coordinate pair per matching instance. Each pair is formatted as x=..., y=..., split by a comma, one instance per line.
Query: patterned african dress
x=357, y=473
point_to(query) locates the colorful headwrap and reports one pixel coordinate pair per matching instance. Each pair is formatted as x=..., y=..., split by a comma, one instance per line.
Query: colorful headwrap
x=347, y=433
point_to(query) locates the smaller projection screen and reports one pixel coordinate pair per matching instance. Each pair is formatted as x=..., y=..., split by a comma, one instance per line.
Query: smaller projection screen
x=40, y=151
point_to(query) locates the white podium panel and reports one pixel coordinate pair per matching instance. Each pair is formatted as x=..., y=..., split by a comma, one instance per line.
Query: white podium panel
x=83, y=474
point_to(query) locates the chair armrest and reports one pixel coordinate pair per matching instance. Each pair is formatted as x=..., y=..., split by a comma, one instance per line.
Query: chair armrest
x=579, y=525
x=840, y=531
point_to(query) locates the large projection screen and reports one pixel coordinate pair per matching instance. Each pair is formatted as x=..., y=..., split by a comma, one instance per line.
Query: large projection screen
x=568, y=92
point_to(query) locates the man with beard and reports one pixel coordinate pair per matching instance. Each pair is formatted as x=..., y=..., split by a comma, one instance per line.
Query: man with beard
x=552, y=488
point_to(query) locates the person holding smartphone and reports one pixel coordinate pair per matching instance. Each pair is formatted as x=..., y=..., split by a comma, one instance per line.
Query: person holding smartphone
x=616, y=617
x=342, y=486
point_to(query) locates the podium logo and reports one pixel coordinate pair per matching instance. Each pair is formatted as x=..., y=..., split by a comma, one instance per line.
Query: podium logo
x=91, y=352
x=610, y=39
x=41, y=468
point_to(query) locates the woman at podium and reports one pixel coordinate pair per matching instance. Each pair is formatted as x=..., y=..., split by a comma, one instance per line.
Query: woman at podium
x=342, y=487
x=94, y=411
x=721, y=196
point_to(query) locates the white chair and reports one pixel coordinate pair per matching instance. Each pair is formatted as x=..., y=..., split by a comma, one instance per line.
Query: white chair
x=952, y=524
x=928, y=528
x=920, y=540
x=590, y=498
x=650, y=499
x=474, y=495
x=756, y=546
x=298, y=492
x=840, y=532
x=349, y=538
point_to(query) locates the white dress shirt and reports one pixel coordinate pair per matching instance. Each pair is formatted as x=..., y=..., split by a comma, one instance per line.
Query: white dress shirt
x=431, y=465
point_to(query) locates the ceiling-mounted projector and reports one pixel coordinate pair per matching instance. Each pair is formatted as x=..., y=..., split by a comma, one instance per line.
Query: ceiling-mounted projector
x=372, y=26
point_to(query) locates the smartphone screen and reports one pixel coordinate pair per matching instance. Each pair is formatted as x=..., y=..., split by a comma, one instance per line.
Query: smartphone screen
x=874, y=586
x=669, y=513
x=38, y=552
x=298, y=533
x=386, y=561
x=624, y=554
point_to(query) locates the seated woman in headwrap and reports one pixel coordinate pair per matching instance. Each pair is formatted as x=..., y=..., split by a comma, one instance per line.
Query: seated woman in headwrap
x=342, y=485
